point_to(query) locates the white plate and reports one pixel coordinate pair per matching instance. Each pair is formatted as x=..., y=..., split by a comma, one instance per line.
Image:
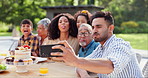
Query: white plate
x=40, y=59
x=2, y=70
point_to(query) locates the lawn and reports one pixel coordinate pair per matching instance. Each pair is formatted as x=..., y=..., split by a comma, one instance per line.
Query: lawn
x=5, y=33
x=138, y=41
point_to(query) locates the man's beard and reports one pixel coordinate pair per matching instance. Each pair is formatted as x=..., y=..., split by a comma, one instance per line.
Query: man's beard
x=100, y=38
x=95, y=38
x=82, y=43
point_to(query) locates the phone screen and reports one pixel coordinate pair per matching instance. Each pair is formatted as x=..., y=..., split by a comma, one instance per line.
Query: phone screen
x=45, y=50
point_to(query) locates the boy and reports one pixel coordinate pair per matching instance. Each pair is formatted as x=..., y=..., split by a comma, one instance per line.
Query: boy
x=28, y=38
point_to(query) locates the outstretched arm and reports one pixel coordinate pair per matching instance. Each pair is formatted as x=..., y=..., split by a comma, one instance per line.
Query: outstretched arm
x=102, y=66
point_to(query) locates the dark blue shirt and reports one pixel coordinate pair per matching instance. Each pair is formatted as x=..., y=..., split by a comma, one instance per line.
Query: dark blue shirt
x=83, y=52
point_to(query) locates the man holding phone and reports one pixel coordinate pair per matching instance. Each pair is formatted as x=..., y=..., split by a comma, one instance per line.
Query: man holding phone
x=113, y=58
x=45, y=50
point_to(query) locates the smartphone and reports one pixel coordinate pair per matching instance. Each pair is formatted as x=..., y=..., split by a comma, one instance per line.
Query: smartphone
x=45, y=50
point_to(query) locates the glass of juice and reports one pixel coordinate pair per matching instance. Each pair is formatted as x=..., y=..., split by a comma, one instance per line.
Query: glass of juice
x=43, y=71
x=3, y=54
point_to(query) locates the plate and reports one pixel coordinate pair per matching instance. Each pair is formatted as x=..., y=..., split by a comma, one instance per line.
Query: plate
x=2, y=70
x=40, y=59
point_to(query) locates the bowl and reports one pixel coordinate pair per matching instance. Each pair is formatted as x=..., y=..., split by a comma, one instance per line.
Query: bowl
x=3, y=70
x=3, y=67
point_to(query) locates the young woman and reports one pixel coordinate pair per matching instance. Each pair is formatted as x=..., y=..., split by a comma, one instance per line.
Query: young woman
x=82, y=17
x=63, y=27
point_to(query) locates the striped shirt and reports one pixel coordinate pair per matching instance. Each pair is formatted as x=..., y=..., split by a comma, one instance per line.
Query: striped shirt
x=120, y=53
x=32, y=41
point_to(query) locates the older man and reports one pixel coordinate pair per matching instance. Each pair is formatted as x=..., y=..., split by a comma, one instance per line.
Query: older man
x=42, y=30
x=112, y=59
x=85, y=40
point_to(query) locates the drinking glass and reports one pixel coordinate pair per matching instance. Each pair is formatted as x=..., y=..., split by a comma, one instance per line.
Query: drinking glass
x=43, y=71
x=3, y=54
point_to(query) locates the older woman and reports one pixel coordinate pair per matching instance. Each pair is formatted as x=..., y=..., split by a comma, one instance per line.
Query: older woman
x=42, y=30
x=82, y=17
x=63, y=27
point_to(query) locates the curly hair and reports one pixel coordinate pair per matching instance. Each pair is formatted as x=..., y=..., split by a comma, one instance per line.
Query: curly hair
x=84, y=13
x=106, y=15
x=53, y=30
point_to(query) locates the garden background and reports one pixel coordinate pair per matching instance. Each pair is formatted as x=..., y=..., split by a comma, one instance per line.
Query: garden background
x=131, y=16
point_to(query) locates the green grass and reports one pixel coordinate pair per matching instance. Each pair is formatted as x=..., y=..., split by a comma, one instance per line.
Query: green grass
x=137, y=41
x=5, y=34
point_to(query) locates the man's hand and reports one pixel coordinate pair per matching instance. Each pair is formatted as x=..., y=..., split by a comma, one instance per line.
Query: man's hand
x=68, y=55
x=99, y=65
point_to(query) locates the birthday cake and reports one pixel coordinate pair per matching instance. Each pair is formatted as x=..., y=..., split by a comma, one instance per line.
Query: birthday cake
x=22, y=57
x=22, y=52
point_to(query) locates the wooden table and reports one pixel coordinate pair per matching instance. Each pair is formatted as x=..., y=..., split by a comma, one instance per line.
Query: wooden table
x=56, y=69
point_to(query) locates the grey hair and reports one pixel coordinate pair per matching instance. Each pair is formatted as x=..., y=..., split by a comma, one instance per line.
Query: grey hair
x=86, y=25
x=45, y=22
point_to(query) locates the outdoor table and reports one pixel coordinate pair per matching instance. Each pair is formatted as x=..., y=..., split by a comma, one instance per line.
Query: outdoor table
x=55, y=69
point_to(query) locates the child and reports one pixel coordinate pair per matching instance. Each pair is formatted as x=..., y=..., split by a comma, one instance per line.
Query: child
x=28, y=38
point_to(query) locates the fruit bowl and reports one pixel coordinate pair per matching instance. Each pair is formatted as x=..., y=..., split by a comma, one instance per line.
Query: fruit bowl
x=3, y=70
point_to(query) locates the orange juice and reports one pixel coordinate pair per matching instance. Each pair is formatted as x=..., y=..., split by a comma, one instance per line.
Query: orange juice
x=43, y=71
x=3, y=54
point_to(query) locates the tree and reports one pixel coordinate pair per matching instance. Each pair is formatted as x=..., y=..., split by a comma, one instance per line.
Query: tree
x=14, y=11
x=128, y=10
x=140, y=9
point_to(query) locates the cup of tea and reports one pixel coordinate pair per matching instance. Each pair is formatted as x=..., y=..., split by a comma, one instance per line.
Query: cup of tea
x=43, y=71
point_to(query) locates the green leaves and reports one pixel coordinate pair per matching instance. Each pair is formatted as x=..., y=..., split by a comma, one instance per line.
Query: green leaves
x=14, y=11
x=2, y=67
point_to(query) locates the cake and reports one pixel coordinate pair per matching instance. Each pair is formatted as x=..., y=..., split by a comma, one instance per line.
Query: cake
x=22, y=52
x=22, y=57
x=9, y=60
